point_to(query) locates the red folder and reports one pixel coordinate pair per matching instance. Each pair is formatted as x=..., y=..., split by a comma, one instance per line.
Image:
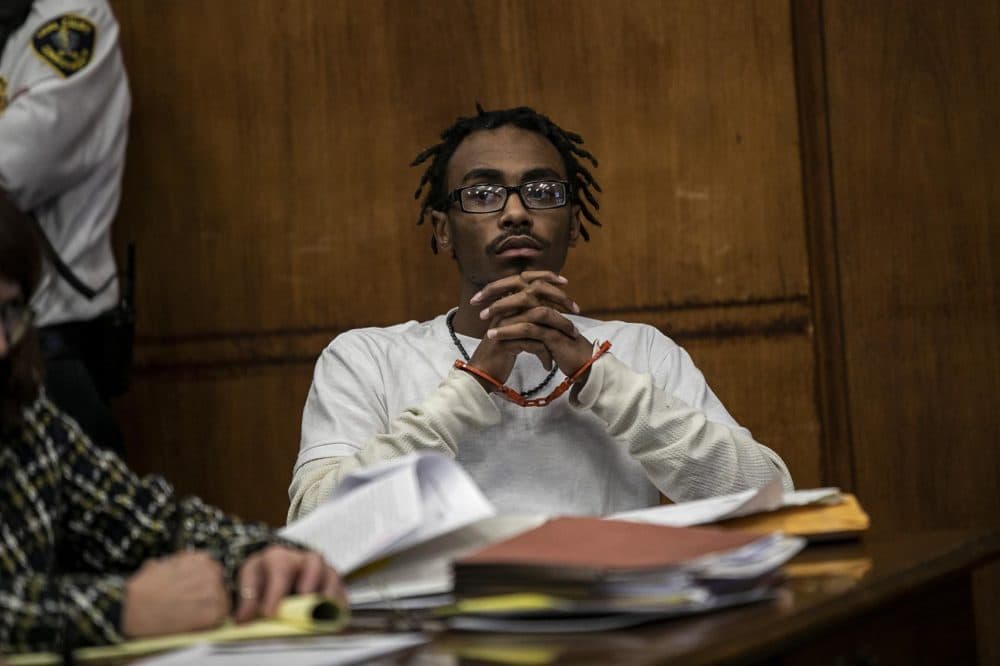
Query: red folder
x=607, y=545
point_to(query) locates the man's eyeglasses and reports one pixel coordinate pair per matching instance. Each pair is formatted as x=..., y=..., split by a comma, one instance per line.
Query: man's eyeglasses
x=489, y=198
x=16, y=318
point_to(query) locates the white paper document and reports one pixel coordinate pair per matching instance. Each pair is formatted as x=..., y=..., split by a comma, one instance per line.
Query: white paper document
x=768, y=497
x=754, y=559
x=320, y=651
x=385, y=508
x=426, y=569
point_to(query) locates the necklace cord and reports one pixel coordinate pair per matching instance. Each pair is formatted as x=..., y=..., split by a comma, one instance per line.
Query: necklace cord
x=518, y=398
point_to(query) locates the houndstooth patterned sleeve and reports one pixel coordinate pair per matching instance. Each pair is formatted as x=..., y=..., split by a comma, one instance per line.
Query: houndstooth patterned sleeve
x=77, y=522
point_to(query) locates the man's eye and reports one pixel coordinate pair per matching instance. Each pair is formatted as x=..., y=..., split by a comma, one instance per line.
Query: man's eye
x=544, y=193
x=484, y=194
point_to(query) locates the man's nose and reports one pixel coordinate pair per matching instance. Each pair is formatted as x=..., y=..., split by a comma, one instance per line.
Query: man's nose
x=515, y=213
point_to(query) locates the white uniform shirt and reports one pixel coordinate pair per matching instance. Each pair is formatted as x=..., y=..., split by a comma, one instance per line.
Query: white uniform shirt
x=63, y=130
x=556, y=459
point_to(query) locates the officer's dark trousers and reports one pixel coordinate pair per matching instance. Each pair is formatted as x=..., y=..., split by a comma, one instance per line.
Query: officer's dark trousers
x=74, y=381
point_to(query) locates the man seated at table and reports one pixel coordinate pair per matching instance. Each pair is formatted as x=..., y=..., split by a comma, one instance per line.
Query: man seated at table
x=506, y=193
x=89, y=552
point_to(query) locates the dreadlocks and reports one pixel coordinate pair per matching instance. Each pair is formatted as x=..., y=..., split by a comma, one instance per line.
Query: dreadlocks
x=567, y=143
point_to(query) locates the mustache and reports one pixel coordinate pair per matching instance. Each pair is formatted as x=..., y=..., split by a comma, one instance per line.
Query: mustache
x=497, y=242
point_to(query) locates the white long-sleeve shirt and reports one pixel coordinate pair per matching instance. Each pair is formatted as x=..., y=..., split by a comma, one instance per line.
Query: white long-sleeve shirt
x=63, y=131
x=645, y=422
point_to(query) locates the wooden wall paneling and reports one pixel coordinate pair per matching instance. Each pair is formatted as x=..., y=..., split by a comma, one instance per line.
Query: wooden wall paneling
x=915, y=146
x=283, y=167
x=821, y=235
x=269, y=192
x=702, y=199
x=915, y=155
x=227, y=435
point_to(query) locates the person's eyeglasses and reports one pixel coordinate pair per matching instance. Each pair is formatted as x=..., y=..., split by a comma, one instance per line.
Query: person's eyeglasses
x=16, y=318
x=489, y=198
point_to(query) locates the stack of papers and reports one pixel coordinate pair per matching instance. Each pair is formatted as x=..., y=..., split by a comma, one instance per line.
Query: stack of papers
x=609, y=572
x=394, y=530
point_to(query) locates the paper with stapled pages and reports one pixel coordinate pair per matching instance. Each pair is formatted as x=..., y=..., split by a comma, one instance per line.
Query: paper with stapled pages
x=380, y=510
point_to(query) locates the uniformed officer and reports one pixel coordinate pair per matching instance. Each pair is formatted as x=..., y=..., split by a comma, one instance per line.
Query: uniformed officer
x=64, y=108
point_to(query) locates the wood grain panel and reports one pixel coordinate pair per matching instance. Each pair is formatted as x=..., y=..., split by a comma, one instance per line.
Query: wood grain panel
x=915, y=145
x=239, y=351
x=821, y=236
x=915, y=155
x=230, y=439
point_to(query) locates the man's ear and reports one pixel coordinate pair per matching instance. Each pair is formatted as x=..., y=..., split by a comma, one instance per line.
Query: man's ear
x=442, y=233
x=574, y=225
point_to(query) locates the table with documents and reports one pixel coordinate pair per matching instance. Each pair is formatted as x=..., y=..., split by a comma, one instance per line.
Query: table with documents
x=889, y=599
x=435, y=575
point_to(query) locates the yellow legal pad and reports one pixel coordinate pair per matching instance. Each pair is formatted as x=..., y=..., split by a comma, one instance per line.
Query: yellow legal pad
x=301, y=615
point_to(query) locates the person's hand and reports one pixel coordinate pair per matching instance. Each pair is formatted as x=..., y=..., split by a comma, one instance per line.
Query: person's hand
x=183, y=592
x=525, y=313
x=272, y=574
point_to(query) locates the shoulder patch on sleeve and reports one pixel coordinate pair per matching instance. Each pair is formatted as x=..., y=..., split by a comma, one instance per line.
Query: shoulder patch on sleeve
x=3, y=95
x=66, y=43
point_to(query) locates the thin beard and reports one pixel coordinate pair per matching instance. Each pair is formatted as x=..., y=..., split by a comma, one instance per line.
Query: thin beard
x=521, y=264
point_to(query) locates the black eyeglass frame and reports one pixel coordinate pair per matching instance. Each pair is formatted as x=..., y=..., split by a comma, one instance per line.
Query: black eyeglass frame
x=456, y=195
x=15, y=326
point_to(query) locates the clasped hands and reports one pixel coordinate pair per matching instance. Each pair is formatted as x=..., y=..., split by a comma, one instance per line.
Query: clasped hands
x=525, y=315
x=186, y=591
